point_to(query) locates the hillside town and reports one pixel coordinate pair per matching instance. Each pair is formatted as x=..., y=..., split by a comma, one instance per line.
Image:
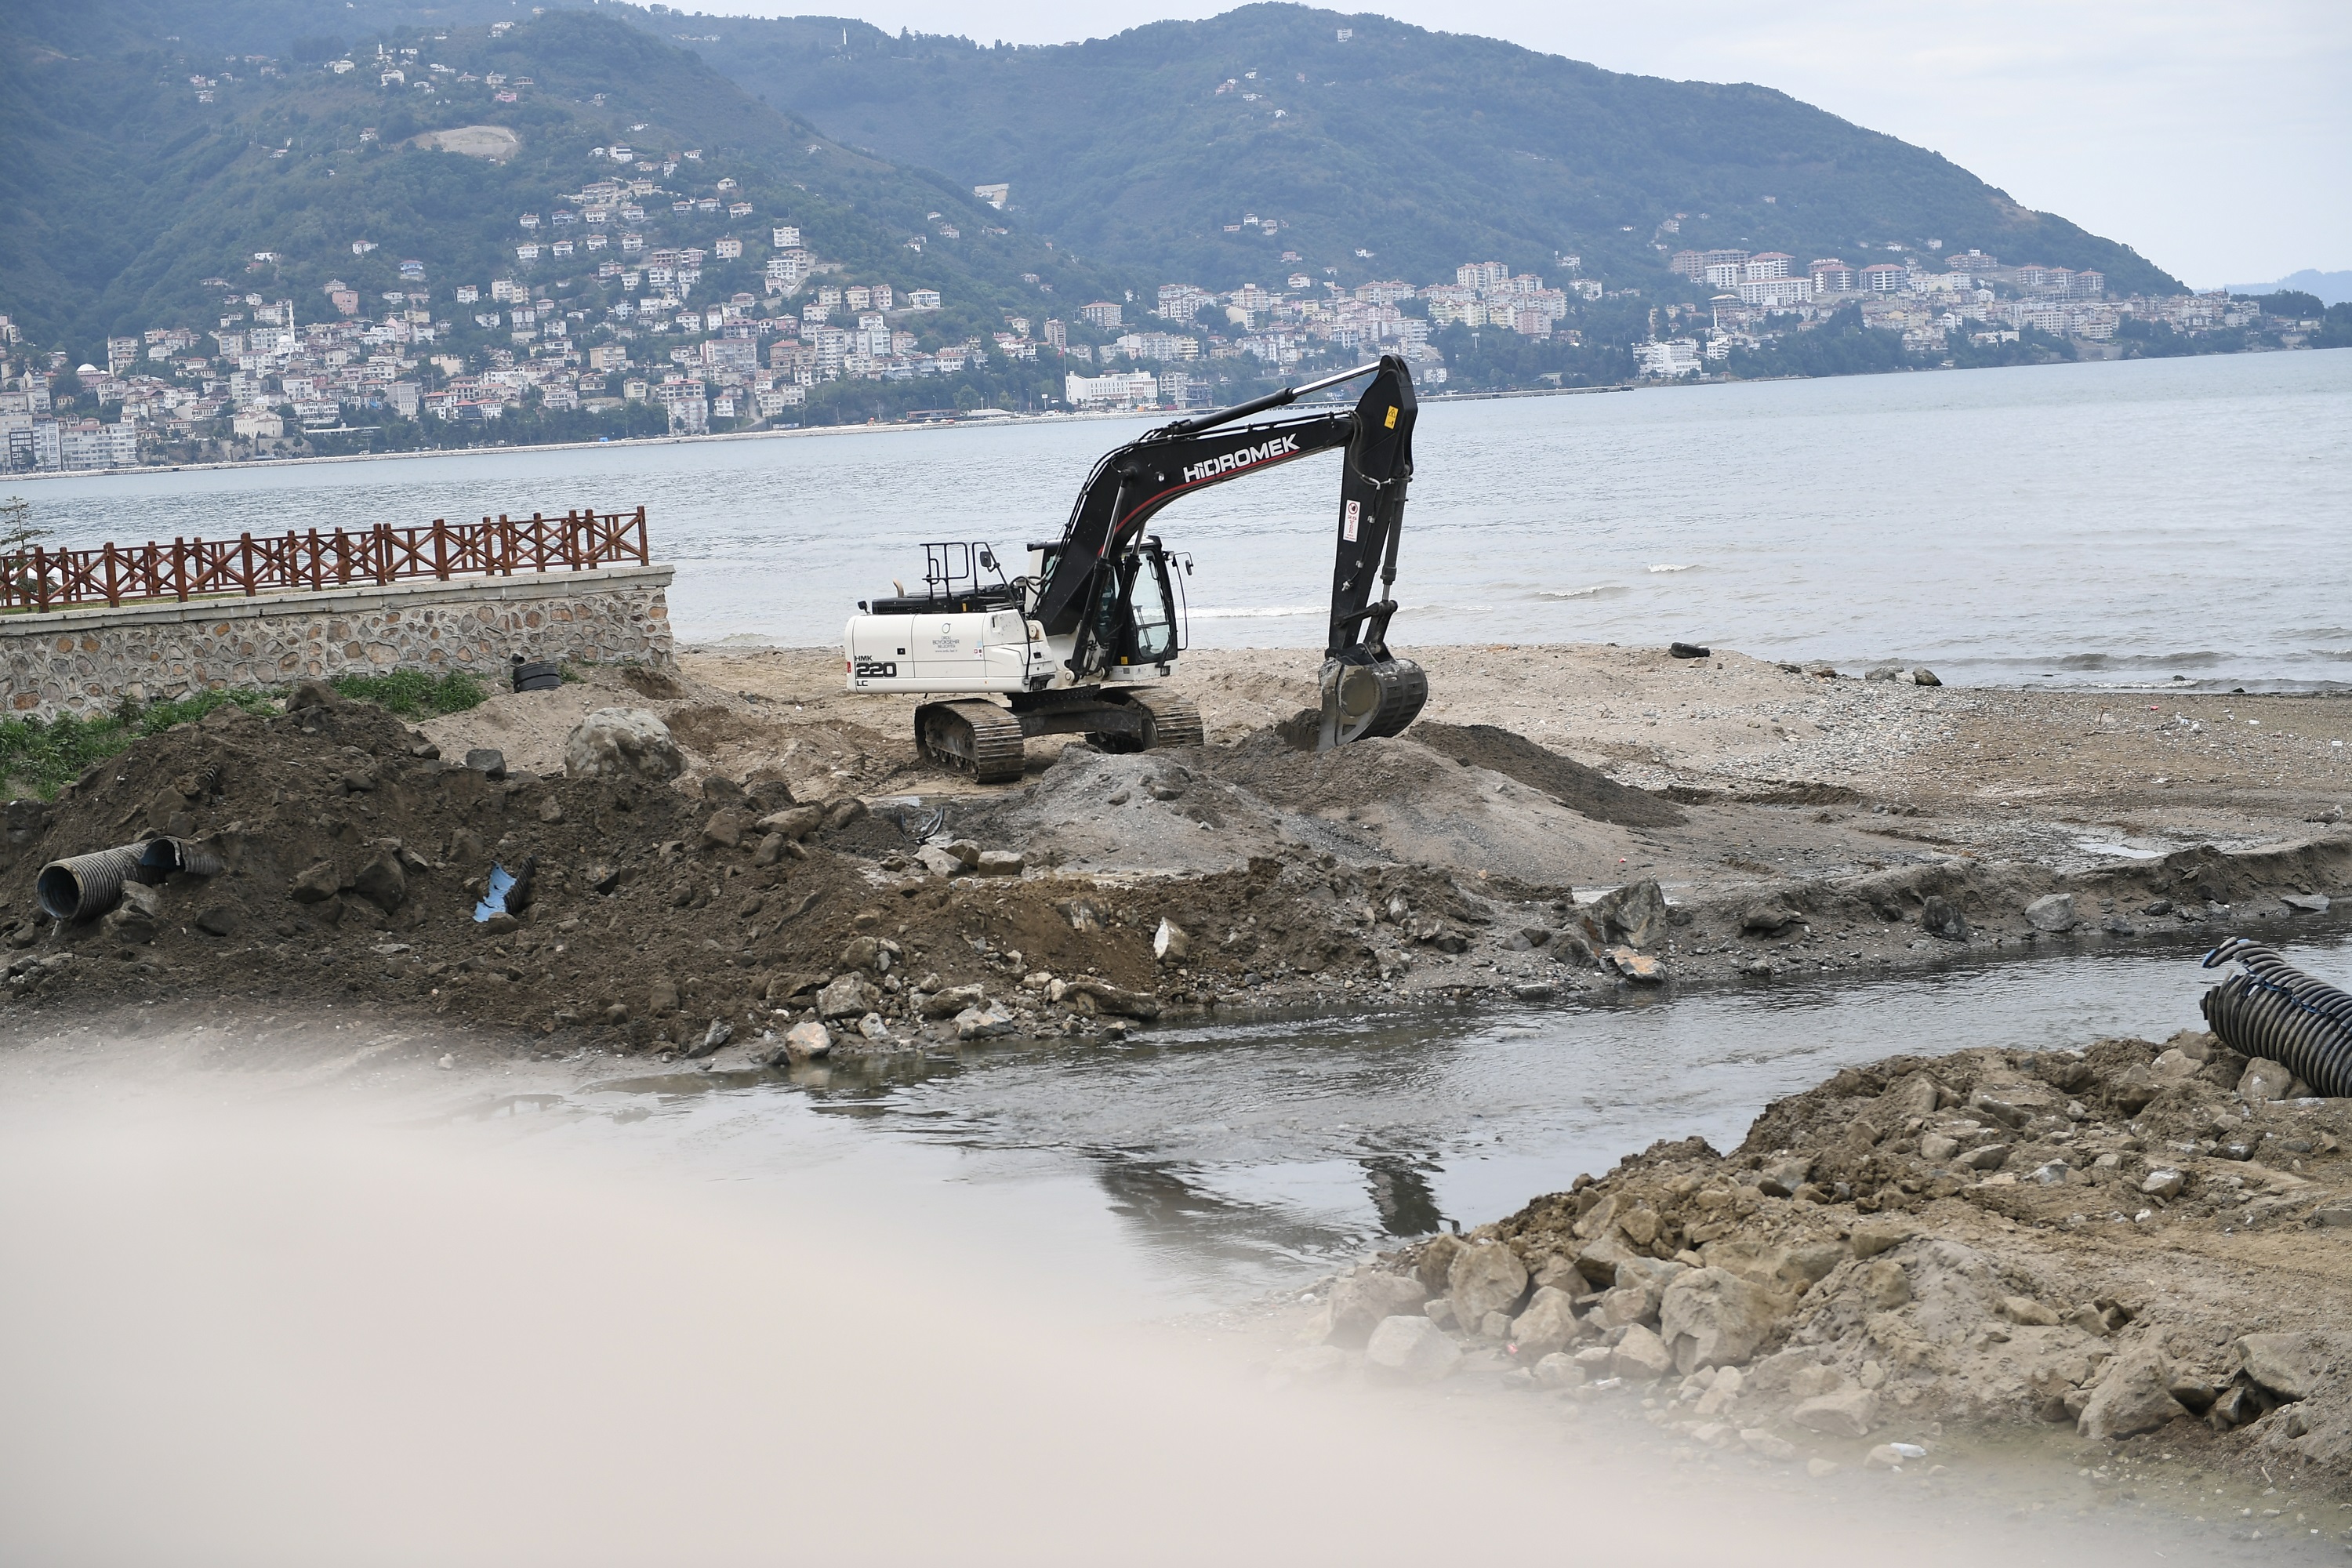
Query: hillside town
x=609, y=309
x=1971, y=297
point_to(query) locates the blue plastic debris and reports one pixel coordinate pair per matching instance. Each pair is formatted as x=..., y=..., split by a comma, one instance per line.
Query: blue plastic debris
x=502, y=883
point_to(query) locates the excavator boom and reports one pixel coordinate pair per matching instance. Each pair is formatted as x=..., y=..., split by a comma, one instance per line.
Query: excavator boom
x=1129, y=487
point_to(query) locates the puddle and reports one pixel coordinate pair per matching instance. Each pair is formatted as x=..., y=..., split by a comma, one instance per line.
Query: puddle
x=1237, y=1156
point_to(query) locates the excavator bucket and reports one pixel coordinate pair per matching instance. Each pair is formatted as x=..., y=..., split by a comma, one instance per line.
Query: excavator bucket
x=1371, y=698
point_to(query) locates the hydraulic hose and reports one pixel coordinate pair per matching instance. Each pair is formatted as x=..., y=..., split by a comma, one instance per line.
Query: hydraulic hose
x=2272, y=1009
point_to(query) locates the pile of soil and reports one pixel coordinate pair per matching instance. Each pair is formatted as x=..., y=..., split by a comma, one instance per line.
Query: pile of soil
x=2131, y=1241
x=1584, y=790
x=354, y=856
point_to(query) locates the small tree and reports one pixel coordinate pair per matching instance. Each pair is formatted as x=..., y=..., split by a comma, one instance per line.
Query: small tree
x=18, y=534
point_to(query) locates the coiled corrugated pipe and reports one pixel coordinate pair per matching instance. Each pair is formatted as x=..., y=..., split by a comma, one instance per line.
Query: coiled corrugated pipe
x=86, y=886
x=2272, y=1009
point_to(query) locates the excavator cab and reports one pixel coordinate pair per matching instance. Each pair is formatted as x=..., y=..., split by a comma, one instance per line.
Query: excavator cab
x=1134, y=628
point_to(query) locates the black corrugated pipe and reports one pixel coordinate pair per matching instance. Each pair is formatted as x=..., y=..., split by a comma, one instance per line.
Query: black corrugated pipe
x=2272, y=1009
x=86, y=886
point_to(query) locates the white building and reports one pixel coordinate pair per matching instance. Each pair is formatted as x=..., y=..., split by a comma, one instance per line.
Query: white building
x=1775, y=293
x=1673, y=357
x=1182, y=302
x=1129, y=389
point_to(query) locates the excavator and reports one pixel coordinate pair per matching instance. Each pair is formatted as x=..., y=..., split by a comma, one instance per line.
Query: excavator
x=1080, y=642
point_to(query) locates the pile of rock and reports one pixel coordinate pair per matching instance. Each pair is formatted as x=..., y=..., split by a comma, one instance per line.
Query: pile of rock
x=867, y=1005
x=1971, y=1239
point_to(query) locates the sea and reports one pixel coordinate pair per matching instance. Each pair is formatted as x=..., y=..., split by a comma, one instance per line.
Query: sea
x=2128, y=523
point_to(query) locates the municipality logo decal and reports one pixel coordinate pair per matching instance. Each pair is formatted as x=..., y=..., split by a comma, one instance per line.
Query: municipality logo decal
x=1280, y=447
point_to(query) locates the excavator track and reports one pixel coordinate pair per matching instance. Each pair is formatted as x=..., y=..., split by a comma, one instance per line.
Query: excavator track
x=1174, y=723
x=975, y=738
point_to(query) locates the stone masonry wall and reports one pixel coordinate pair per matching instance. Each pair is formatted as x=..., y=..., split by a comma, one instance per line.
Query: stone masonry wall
x=85, y=660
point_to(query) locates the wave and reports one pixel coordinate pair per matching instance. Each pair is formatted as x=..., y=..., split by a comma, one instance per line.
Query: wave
x=1594, y=592
x=1271, y=612
x=2198, y=658
x=1685, y=566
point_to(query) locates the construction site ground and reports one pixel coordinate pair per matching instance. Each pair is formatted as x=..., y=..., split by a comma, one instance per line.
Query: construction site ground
x=1796, y=823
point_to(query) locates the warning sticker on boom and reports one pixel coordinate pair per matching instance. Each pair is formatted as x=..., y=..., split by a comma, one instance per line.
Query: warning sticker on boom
x=1348, y=528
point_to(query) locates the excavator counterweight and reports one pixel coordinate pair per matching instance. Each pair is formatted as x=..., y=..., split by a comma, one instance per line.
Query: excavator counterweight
x=1079, y=642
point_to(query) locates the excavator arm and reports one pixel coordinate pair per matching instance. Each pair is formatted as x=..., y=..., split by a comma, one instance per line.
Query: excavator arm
x=1365, y=691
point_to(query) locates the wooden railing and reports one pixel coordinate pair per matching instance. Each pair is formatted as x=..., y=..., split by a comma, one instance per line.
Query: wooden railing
x=276, y=563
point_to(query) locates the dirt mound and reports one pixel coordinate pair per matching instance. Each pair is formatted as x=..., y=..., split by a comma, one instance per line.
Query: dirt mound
x=1400, y=800
x=1796, y=793
x=2114, y=1239
x=1160, y=812
x=353, y=854
x=1586, y=791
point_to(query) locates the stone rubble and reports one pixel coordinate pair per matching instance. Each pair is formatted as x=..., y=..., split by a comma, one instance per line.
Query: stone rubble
x=1892, y=1290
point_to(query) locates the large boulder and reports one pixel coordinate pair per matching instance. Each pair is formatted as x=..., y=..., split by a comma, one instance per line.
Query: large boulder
x=794, y=822
x=2265, y=1079
x=1411, y=1348
x=1634, y=914
x=947, y=1003
x=807, y=1042
x=1435, y=1263
x=847, y=996
x=381, y=882
x=1713, y=1317
x=984, y=1023
x=137, y=916
x=1361, y=1300
x=1603, y=1257
x=2290, y=1366
x=2051, y=912
x=1639, y=1357
x=621, y=742
x=1111, y=998
x=1846, y=1413
x=1548, y=1324
x=1488, y=1277
x=2134, y=1396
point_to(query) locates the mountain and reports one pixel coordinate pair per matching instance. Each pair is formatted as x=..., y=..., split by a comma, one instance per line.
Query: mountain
x=155, y=146
x=2327, y=288
x=1347, y=133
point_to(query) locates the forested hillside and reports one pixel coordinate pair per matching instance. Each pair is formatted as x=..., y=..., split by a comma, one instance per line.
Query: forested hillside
x=154, y=147
x=1355, y=133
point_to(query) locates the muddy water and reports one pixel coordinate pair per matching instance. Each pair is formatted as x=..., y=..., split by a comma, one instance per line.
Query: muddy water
x=1217, y=1160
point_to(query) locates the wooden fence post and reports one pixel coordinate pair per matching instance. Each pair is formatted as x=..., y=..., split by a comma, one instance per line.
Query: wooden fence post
x=440, y=550
x=180, y=568
x=41, y=577
x=113, y=593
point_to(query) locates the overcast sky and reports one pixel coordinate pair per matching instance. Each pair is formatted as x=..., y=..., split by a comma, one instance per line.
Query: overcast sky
x=2212, y=138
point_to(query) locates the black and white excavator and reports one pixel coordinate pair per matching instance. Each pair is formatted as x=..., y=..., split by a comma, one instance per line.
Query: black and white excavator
x=1079, y=644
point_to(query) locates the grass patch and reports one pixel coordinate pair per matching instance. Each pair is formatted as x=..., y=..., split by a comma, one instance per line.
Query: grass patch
x=41, y=757
x=45, y=757
x=413, y=694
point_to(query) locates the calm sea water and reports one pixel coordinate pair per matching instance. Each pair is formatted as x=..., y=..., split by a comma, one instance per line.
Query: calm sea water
x=2109, y=523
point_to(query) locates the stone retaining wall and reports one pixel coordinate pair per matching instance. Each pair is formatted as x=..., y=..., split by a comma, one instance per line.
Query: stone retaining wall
x=85, y=660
